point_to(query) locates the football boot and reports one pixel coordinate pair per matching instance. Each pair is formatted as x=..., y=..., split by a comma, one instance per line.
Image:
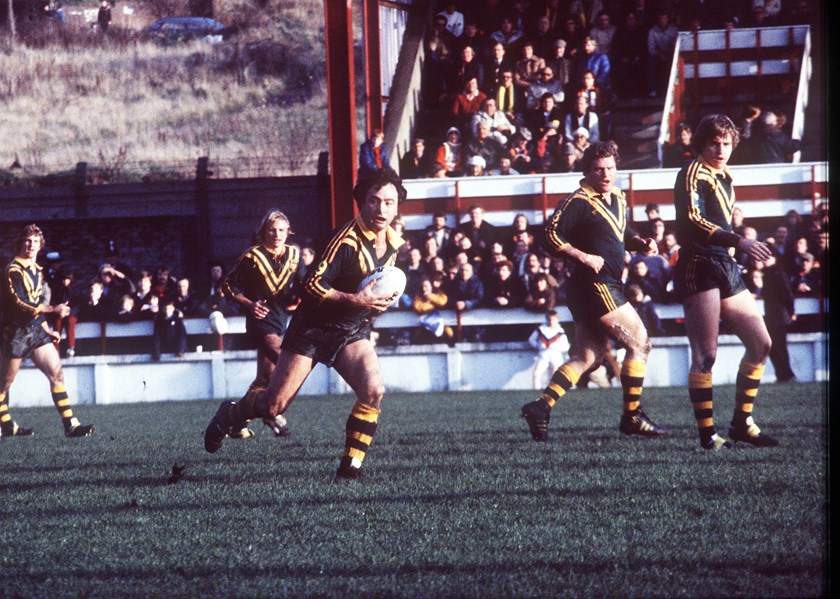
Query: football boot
x=80, y=430
x=537, y=414
x=218, y=428
x=750, y=433
x=640, y=423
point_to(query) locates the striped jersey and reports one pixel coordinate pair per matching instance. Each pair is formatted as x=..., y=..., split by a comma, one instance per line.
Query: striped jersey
x=588, y=223
x=22, y=294
x=703, y=198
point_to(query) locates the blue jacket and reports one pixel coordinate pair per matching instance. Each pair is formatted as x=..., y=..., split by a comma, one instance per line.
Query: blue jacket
x=367, y=158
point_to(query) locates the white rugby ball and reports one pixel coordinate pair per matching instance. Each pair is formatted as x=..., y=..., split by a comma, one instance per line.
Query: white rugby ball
x=387, y=280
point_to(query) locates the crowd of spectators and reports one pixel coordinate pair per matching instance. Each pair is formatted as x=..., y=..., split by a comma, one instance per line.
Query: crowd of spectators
x=479, y=265
x=543, y=76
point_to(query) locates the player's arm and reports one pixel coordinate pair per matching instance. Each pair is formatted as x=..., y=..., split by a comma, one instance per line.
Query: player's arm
x=562, y=221
x=234, y=286
x=636, y=243
x=319, y=284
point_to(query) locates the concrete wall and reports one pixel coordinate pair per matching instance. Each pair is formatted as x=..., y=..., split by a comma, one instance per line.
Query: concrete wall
x=466, y=367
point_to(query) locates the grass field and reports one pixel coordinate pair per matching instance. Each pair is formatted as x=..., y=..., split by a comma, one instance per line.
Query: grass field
x=457, y=502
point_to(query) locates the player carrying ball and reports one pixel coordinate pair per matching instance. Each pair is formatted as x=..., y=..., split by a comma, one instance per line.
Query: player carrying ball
x=590, y=226
x=332, y=325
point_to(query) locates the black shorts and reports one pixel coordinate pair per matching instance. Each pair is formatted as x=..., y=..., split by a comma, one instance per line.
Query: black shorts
x=701, y=272
x=307, y=337
x=19, y=341
x=590, y=300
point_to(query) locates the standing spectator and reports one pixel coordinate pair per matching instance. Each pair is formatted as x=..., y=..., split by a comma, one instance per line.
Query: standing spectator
x=416, y=164
x=779, y=315
x=64, y=292
x=662, y=39
x=463, y=69
x=170, y=334
x=629, y=57
x=592, y=60
x=542, y=295
x=93, y=309
x=213, y=298
x=508, y=35
x=164, y=286
x=520, y=152
x=573, y=35
x=505, y=289
x=603, y=32
x=651, y=284
x=427, y=304
x=481, y=233
x=186, y=302
x=679, y=153
x=145, y=301
x=449, y=154
x=465, y=292
x=544, y=38
x=115, y=284
x=600, y=102
x=415, y=271
x=373, y=154
x=439, y=231
x=771, y=144
x=552, y=347
x=103, y=17
x=528, y=68
x=559, y=64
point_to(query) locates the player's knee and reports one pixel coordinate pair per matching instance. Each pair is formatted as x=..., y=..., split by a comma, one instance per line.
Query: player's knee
x=705, y=362
x=374, y=394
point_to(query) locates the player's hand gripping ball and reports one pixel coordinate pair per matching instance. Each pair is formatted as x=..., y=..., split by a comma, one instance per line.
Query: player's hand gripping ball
x=388, y=280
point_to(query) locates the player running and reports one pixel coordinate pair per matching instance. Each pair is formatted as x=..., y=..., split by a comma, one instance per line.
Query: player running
x=332, y=325
x=265, y=281
x=590, y=226
x=709, y=282
x=25, y=333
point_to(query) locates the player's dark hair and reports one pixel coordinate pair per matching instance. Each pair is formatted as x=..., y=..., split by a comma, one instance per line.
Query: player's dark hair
x=27, y=232
x=597, y=150
x=711, y=126
x=377, y=180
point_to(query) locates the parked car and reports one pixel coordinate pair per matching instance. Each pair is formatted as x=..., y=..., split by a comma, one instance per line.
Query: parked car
x=186, y=29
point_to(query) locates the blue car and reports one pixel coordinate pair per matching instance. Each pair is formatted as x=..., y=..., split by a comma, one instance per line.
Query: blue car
x=185, y=29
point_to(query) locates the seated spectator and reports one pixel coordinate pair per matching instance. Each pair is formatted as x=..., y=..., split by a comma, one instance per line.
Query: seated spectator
x=559, y=64
x=645, y=309
x=416, y=164
x=170, y=334
x=474, y=37
x=520, y=152
x=93, y=309
x=462, y=70
x=582, y=117
x=570, y=157
x=475, y=166
x=415, y=271
x=505, y=168
x=528, y=68
x=545, y=120
x=127, y=310
x=500, y=127
x=541, y=295
x=573, y=36
x=579, y=143
x=670, y=249
x=505, y=289
x=485, y=146
x=454, y=19
x=449, y=154
x=679, y=153
x=506, y=98
x=547, y=83
x=507, y=35
x=428, y=302
x=542, y=158
x=544, y=38
x=600, y=102
x=806, y=281
x=519, y=225
x=603, y=32
x=651, y=283
x=467, y=103
x=187, y=300
x=466, y=291
x=596, y=62
x=373, y=154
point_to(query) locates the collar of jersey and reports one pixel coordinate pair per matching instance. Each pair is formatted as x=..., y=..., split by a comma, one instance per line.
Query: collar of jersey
x=22, y=262
x=591, y=193
x=394, y=239
x=715, y=171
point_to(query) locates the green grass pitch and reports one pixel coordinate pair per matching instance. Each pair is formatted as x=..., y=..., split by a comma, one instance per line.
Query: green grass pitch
x=458, y=502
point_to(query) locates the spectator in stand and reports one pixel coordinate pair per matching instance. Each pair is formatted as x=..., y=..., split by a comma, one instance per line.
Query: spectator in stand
x=573, y=36
x=600, y=102
x=644, y=14
x=93, y=309
x=541, y=294
x=415, y=271
x=476, y=166
x=485, y=146
x=505, y=168
x=603, y=32
x=416, y=164
x=467, y=103
x=670, y=248
x=806, y=281
x=629, y=58
x=475, y=39
x=164, y=286
x=449, y=154
x=145, y=302
x=779, y=315
x=508, y=35
x=544, y=38
x=582, y=117
x=440, y=231
x=544, y=121
x=657, y=226
x=103, y=16
x=212, y=299
x=499, y=63
x=466, y=291
x=454, y=19
x=679, y=153
x=559, y=63
x=759, y=17
x=506, y=99
x=580, y=141
x=528, y=68
x=170, y=334
x=465, y=68
x=552, y=346
x=519, y=225
x=799, y=13
x=187, y=300
x=747, y=127
x=505, y=289
x=436, y=69
x=112, y=257
x=543, y=158
x=547, y=84
x=585, y=11
x=643, y=306
x=592, y=60
x=427, y=304
x=115, y=284
x=440, y=32
x=127, y=311
x=481, y=233
x=500, y=126
x=520, y=152
x=662, y=38
x=771, y=144
x=652, y=284
x=652, y=213
x=373, y=154
x=570, y=156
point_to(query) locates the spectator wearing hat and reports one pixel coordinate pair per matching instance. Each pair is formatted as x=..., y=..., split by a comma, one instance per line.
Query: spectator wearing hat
x=449, y=153
x=476, y=166
x=559, y=63
x=570, y=157
x=581, y=116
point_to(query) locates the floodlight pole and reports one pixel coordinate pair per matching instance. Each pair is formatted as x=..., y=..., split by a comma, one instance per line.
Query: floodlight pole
x=341, y=102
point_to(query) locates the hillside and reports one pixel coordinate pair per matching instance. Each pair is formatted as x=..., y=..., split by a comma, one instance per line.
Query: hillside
x=255, y=103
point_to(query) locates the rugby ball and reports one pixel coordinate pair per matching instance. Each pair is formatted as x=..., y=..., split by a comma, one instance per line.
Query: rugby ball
x=387, y=280
x=218, y=323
